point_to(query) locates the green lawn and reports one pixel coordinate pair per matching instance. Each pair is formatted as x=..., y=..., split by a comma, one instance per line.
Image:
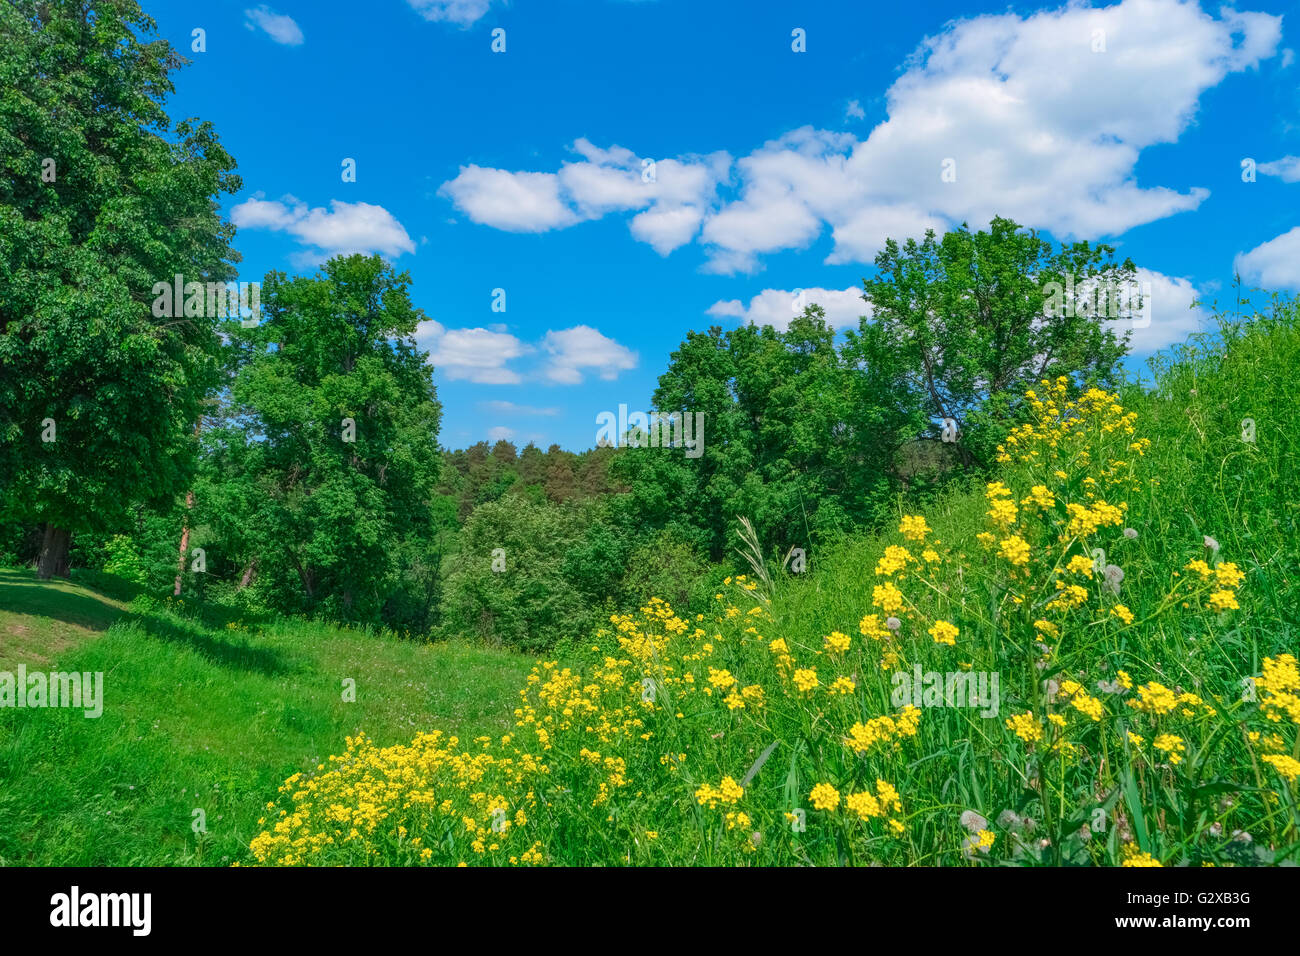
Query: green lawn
x=200, y=716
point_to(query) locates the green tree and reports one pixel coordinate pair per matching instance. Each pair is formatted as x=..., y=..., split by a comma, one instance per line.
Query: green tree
x=796, y=437
x=99, y=200
x=324, y=466
x=507, y=584
x=967, y=322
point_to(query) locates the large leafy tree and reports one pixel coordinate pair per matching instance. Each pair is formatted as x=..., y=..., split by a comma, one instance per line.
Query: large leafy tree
x=322, y=472
x=796, y=438
x=99, y=199
x=970, y=320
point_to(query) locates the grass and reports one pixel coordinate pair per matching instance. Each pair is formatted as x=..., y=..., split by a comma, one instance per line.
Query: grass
x=624, y=760
x=200, y=716
x=768, y=732
x=41, y=619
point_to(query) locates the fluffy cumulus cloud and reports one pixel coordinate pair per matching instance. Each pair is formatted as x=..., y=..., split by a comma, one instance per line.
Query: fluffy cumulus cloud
x=279, y=27
x=669, y=196
x=1166, y=315
x=776, y=307
x=1274, y=264
x=1041, y=118
x=476, y=355
x=1286, y=169
x=515, y=202
x=484, y=357
x=344, y=228
x=463, y=13
x=582, y=347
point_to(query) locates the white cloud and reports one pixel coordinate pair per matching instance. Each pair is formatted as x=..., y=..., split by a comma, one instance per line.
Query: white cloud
x=483, y=356
x=1286, y=169
x=279, y=27
x=1274, y=264
x=477, y=355
x=776, y=307
x=514, y=202
x=582, y=347
x=671, y=194
x=427, y=334
x=860, y=236
x=501, y=433
x=729, y=308
x=854, y=111
x=463, y=13
x=1041, y=129
x=1166, y=316
x=343, y=229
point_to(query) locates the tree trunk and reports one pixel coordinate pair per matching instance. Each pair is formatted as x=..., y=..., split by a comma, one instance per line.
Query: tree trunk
x=247, y=579
x=185, y=526
x=185, y=543
x=54, y=558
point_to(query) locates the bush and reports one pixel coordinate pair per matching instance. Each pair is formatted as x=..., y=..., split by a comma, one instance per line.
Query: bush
x=506, y=584
x=123, y=560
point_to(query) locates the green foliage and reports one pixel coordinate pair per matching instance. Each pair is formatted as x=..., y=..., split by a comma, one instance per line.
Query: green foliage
x=792, y=437
x=1120, y=730
x=811, y=439
x=483, y=472
x=506, y=585
x=1210, y=481
x=1245, y=494
x=99, y=200
x=123, y=560
x=965, y=323
x=323, y=461
x=205, y=711
x=667, y=566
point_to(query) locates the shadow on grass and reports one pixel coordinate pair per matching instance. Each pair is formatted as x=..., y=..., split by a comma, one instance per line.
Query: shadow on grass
x=21, y=592
x=119, y=589
x=233, y=652
x=201, y=627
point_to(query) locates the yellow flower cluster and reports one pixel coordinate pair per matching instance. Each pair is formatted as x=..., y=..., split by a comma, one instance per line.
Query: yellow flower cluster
x=1026, y=726
x=367, y=806
x=628, y=735
x=863, y=804
x=728, y=791
x=881, y=730
x=913, y=528
x=1279, y=686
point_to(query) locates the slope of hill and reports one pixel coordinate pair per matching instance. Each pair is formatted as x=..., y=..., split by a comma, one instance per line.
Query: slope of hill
x=1089, y=660
x=201, y=715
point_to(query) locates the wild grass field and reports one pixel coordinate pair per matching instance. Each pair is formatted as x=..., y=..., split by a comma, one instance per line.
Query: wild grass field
x=1131, y=576
x=201, y=714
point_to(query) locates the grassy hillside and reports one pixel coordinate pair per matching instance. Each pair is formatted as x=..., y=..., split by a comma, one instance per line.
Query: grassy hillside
x=1129, y=577
x=201, y=715
x=1132, y=577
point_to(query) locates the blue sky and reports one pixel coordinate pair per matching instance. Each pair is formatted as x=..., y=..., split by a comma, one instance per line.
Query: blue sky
x=774, y=170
